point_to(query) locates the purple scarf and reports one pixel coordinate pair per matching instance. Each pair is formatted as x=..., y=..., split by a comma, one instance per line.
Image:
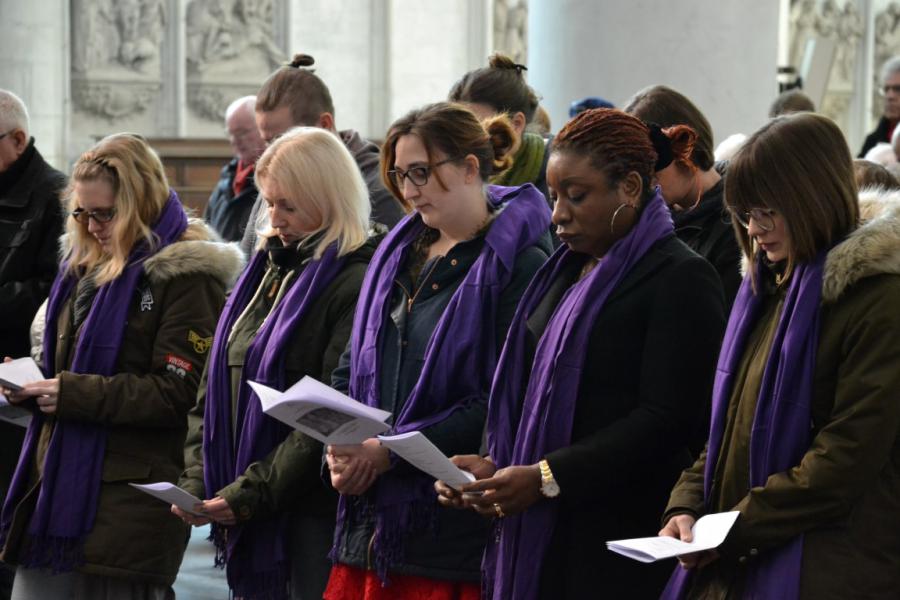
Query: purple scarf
x=70, y=485
x=780, y=433
x=256, y=557
x=459, y=360
x=511, y=567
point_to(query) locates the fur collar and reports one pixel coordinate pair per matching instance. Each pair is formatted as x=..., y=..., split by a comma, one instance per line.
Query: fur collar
x=200, y=250
x=872, y=249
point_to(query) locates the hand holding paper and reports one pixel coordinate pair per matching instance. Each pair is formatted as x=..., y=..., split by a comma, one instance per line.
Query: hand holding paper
x=14, y=374
x=709, y=532
x=171, y=494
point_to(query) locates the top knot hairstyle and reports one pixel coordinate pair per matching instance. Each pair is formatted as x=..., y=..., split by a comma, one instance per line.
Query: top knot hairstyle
x=501, y=85
x=455, y=131
x=618, y=143
x=297, y=86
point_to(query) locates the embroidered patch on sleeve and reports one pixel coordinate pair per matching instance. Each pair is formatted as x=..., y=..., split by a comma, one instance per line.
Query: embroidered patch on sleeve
x=178, y=365
x=201, y=344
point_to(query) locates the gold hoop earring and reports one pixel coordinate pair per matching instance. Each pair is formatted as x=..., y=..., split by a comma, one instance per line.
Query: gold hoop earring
x=612, y=221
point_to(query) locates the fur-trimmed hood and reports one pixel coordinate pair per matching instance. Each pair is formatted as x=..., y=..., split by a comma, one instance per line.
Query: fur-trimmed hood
x=200, y=250
x=872, y=249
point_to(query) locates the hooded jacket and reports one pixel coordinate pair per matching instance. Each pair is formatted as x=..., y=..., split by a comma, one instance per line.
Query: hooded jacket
x=844, y=496
x=144, y=406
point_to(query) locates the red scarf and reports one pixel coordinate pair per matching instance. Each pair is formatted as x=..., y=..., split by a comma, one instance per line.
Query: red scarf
x=241, y=176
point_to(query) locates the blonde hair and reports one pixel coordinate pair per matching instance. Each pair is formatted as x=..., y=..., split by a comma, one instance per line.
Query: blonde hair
x=134, y=172
x=318, y=176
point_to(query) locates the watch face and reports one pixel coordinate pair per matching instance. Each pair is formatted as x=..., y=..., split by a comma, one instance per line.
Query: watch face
x=550, y=490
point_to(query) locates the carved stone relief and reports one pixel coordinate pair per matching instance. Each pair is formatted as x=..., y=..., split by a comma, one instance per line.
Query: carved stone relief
x=511, y=29
x=229, y=44
x=116, y=69
x=843, y=24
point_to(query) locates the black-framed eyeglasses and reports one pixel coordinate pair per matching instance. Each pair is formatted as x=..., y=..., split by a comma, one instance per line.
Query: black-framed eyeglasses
x=418, y=175
x=101, y=215
x=885, y=89
x=764, y=217
x=3, y=135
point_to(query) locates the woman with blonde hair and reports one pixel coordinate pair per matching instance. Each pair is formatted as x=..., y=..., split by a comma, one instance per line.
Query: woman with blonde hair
x=289, y=316
x=805, y=434
x=129, y=321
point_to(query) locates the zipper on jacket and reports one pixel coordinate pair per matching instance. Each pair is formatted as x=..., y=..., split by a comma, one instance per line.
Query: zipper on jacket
x=369, y=553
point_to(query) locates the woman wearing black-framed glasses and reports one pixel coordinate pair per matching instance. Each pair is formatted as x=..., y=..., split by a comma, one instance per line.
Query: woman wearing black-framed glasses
x=433, y=312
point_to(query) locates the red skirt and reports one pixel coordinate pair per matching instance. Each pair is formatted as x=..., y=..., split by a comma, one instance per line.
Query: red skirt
x=350, y=583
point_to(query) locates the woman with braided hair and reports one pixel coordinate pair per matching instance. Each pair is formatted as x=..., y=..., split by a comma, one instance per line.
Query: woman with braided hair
x=615, y=338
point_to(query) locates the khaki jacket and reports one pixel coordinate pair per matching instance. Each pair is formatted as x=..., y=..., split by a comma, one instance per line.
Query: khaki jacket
x=144, y=407
x=844, y=495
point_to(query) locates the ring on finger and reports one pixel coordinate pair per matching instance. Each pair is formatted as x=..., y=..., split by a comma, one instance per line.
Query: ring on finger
x=499, y=510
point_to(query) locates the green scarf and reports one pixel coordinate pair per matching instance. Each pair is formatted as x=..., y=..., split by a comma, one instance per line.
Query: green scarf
x=526, y=167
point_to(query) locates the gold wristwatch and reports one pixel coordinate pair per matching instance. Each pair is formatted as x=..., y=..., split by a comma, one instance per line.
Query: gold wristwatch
x=549, y=487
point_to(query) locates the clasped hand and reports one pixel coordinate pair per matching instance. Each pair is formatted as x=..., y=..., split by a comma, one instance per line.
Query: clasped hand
x=215, y=509
x=496, y=492
x=355, y=467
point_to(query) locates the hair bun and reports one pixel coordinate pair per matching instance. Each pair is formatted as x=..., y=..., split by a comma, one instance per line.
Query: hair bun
x=302, y=60
x=501, y=61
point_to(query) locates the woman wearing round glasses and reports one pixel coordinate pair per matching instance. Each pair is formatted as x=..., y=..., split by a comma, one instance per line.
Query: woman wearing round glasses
x=129, y=321
x=805, y=435
x=433, y=312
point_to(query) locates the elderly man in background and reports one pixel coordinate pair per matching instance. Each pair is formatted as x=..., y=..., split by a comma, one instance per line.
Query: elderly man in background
x=890, y=90
x=230, y=203
x=31, y=220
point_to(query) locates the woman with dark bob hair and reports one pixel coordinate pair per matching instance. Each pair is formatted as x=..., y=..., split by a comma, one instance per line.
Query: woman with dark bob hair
x=805, y=435
x=602, y=381
x=693, y=187
x=432, y=315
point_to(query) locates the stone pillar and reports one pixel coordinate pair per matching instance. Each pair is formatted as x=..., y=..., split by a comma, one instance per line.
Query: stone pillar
x=34, y=47
x=721, y=54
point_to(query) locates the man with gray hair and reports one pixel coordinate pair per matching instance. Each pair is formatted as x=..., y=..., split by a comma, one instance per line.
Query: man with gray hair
x=229, y=205
x=31, y=219
x=890, y=90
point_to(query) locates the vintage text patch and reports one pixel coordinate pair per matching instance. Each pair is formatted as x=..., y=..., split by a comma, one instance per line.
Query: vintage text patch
x=178, y=365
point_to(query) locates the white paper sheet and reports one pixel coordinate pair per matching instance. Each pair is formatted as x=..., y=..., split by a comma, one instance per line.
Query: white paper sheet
x=709, y=532
x=170, y=494
x=18, y=372
x=417, y=450
x=322, y=412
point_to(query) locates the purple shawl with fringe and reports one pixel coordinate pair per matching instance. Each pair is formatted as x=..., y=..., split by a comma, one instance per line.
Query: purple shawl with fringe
x=511, y=569
x=780, y=434
x=70, y=486
x=459, y=359
x=255, y=556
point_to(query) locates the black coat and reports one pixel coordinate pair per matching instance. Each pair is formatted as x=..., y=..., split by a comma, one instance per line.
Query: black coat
x=454, y=550
x=882, y=133
x=646, y=381
x=31, y=220
x=708, y=231
x=228, y=214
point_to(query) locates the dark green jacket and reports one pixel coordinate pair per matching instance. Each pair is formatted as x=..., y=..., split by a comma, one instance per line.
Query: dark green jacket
x=844, y=495
x=144, y=406
x=288, y=479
